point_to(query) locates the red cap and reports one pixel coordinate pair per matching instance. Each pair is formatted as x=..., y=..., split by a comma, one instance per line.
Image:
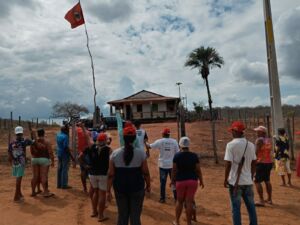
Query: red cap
x=129, y=131
x=166, y=131
x=102, y=137
x=298, y=132
x=128, y=124
x=237, y=126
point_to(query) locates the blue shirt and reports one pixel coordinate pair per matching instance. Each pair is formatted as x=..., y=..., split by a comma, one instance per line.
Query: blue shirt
x=62, y=141
x=186, y=166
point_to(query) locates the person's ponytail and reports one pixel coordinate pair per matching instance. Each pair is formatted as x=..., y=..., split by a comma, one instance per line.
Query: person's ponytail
x=129, y=138
x=128, y=149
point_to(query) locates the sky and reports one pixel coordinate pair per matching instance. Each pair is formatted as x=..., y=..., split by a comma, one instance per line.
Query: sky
x=142, y=45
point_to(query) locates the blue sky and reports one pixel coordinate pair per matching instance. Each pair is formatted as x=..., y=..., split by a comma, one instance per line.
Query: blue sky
x=142, y=44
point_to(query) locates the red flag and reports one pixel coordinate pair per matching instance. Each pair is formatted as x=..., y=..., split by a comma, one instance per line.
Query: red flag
x=75, y=16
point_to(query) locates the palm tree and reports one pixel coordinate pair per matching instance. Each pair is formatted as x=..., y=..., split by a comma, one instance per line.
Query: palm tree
x=205, y=59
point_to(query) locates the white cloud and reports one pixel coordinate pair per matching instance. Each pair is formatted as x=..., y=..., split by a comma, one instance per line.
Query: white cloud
x=144, y=45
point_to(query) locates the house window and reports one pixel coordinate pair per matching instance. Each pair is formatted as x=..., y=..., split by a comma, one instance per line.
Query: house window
x=155, y=107
x=139, y=108
x=170, y=106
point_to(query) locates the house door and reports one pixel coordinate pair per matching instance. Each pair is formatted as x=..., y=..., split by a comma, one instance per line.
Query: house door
x=128, y=112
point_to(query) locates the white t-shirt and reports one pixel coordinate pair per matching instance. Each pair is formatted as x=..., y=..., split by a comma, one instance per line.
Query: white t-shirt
x=234, y=153
x=140, y=136
x=168, y=147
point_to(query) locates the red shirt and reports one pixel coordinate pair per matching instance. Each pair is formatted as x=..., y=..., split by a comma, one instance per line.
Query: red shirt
x=82, y=144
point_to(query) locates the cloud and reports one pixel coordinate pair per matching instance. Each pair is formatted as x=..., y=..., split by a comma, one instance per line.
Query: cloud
x=140, y=44
x=110, y=11
x=6, y=7
x=250, y=72
x=43, y=100
x=289, y=48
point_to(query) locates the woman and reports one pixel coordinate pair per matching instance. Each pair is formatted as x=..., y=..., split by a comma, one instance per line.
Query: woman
x=185, y=173
x=128, y=172
x=97, y=167
x=41, y=155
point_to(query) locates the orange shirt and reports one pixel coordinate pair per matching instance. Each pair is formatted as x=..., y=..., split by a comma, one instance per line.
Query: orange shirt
x=264, y=153
x=81, y=140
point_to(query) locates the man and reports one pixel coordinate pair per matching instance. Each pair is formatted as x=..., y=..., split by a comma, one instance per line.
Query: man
x=63, y=155
x=264, y=164
x=141, y=134
x=17, y=158
x=240, y=161
x=167, y=147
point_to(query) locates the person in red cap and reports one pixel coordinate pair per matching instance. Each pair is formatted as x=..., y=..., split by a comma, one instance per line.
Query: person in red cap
x=240, y=162
x=95, y=159
x=128, y=173
x=264, y=164
x=167, y=147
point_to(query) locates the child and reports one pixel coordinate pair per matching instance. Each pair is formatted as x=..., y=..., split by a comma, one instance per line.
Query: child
x=282, y=156
x=17, y=158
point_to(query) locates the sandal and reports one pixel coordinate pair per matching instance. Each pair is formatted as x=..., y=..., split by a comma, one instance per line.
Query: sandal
x=103, y=219
x=259, y=204
x=48, y=195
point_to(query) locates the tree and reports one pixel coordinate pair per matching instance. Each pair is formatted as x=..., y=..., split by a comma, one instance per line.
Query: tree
x=198, y=107
x=68, y=109
x=205, y=59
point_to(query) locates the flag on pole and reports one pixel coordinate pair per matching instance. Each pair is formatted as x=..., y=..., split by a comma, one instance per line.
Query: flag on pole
x=75, y=16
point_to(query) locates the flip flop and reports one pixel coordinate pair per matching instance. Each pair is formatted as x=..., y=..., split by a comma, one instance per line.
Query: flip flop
x=103, y=219
x=48, y=195
x=269, y=202
x=259, y=204
x=174, y=223
x=94, y=215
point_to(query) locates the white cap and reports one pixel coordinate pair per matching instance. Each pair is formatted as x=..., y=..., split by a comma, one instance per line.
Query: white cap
x=184, y=142
x=19, y=130
x=261, y=128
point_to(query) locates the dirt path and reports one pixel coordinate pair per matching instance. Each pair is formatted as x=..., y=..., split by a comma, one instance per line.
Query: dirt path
x=72, y=206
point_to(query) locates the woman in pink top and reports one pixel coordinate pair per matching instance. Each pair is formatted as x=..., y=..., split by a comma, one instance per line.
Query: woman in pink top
x=264, y=165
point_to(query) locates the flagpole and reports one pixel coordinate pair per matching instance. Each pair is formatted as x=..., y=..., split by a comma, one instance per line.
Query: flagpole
x=95, y=120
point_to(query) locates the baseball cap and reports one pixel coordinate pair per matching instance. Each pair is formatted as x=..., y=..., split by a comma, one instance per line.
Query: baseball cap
x=166, y=131
x=129, y=131
x=19, y=130
x=184, y=142
x=128, y=124
x=261, y=128
x=237, y=126
x=102, y=137
x=298, y=132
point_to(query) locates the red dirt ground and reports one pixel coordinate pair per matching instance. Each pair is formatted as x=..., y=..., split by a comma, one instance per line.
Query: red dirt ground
x=72, y=206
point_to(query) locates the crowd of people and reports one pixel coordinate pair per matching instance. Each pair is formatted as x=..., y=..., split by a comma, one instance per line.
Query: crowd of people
x=125, y=170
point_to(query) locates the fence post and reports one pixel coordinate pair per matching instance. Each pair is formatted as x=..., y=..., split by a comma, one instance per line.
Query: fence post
x=37, y=122
x=290, y=136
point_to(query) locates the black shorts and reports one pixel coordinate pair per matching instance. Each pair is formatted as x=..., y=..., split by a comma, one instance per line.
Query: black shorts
x=263, y=171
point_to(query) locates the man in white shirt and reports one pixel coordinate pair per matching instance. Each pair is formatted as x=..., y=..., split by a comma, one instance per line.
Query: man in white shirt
x=167, y=147
x=240, y=159
x=141, y=134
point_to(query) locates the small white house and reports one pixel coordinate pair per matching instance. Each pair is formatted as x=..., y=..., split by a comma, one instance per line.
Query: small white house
x=146, y=105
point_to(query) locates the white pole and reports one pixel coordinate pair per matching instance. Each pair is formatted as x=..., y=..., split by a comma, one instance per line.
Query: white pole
x=275, y=97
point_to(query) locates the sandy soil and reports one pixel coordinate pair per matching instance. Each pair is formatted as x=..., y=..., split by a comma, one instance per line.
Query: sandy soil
x=72, y=206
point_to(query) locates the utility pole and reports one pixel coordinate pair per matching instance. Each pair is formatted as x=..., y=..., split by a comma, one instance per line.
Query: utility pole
x=275, y=97
x=179, y=113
